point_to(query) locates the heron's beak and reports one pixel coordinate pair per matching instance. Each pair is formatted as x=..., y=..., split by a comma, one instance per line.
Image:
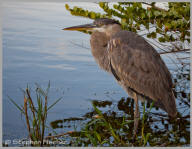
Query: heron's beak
x=81, y=27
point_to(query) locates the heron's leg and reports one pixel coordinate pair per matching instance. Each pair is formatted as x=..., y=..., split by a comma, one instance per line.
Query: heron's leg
x=136, y=115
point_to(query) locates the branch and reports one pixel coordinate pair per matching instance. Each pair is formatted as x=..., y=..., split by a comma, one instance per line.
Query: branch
x=183, y=57
x=174, y=51
x=161, y=9
x=59, y=135
x=80, y=45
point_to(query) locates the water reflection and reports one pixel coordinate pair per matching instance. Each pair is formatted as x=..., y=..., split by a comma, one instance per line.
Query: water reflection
x=154, y=123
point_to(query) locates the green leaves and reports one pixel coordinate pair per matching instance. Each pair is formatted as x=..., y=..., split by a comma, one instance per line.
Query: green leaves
x=35, y=115
x=105, y=123
x=152, y=35
x=67, y=6
x=157, y=13
x=134, y=17
x=102, y=4
x=161, y=39
x=92, y=15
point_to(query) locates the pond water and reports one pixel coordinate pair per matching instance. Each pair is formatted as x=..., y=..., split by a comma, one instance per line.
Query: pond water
x=36, y=50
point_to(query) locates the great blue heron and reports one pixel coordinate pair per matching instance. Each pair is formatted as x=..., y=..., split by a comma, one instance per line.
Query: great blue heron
x=135, y=64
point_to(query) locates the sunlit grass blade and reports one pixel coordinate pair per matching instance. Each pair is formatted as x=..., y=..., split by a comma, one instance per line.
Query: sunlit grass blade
x=146, y=138
x=91, y=138
x=40, y=90
x=48, y=87
x=151, y=106
x=97, y=110
x=18, y=107
x=108, y=125
x=92, y=122
x=98, y=136
x=54, y=103
x=113, y=133
x=105, y=141
x=128, y=121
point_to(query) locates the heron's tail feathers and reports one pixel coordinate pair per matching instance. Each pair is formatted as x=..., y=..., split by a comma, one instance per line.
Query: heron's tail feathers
x=167, y=104
x=170, y=105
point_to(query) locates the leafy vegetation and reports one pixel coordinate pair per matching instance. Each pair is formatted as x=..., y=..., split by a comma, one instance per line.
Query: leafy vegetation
x=111, y=124
x=35, y=116
x=115, y=127
x=169, y=30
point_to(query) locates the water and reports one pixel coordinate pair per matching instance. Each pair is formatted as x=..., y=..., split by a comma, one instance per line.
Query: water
x=36, y=50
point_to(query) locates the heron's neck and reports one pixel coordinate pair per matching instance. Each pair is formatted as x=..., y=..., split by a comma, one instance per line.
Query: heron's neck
x=112, y=30
x=99, y=41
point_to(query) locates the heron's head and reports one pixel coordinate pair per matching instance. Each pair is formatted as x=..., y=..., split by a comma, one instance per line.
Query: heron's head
x=102, y=25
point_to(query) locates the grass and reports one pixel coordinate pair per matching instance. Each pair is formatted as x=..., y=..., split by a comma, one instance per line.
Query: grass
x=114, y=127
x=35, y=116
x=95, y=137
x=111, y=127
x=111, y=124
x=145, y=137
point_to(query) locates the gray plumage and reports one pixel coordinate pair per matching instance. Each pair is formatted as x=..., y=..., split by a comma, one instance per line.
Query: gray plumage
x=135, y=64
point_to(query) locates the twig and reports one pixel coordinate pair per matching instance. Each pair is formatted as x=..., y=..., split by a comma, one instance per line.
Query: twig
x=174, y=51
x=185, y=102
x=187, y=116
x=161, y=9
x=183, y=57
x=59, y=135
x=159, y=114
x=163, y=145
x=155, y=45
x=80, y=45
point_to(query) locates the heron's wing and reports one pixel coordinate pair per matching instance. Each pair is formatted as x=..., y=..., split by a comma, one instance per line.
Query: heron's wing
x=139, y=66
x=113, y=72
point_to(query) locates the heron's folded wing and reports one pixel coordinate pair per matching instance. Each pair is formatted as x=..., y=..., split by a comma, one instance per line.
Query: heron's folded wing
x=139, y=66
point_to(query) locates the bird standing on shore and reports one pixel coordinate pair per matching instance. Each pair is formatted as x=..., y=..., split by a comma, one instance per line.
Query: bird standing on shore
x=134, y=63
